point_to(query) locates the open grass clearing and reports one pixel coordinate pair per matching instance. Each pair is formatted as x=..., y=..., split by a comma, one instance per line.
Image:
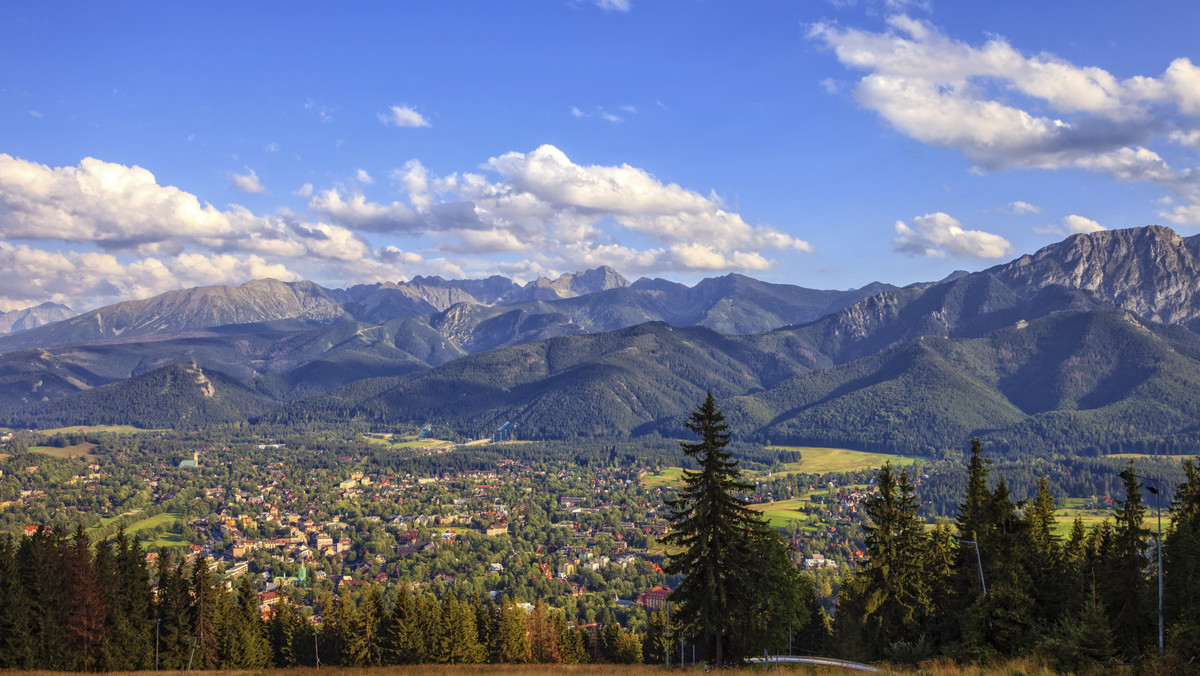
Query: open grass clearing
x=115, y=429
x=814, y=460
x=782, y=512
x=667, y=476
x=82, y=450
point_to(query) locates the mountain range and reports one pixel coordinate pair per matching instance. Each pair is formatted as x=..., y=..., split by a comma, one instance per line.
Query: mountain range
x=1088, y=345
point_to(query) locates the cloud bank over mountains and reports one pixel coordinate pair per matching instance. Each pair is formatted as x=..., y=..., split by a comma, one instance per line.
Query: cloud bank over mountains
x=1004, y=110
x=128, y=236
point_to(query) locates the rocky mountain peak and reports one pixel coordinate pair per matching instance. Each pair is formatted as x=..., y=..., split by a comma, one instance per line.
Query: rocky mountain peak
x=1151, y=271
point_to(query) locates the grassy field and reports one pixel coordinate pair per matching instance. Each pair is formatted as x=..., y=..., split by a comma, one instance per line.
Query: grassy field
x=823, y=460
x=783, y=512
x=407, y=441
x=813, y=461
x=168, y=520
x=668, y=476
x=77, y=451
x=115, y=429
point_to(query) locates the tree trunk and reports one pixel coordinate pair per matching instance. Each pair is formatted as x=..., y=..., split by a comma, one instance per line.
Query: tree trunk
x=719, y=657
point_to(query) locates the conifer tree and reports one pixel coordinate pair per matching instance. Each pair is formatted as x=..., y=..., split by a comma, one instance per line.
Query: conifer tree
x=1181, y=567
x=335, y=630
x=204, y=618
x=244, y=642
x=458, y=642
x=38, y=563
x=287, y=636
x=543, y=634
x=403, y=635
x=895, y=594
x=658, y=637
x=365, y=641
x=723, y=545
x=84, y=609
x=173, y=612
x=136, y=601
x=1127, y=587
x=1047, y=568
x=15, y=649
x=511, y=645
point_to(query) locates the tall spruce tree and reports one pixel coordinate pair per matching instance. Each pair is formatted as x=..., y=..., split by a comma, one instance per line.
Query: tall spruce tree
x=896, y=594
x=16, y=652
x=1126, y=584
x=1181, y=567
x=84, y=612
x=726, y=552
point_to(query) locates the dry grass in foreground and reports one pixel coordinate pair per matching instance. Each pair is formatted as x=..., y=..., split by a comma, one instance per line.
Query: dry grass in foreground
x=1017, y=667
x=468, y=669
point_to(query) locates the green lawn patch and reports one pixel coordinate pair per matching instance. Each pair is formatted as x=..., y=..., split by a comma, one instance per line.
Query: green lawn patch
x=115, y=429
x=782, y=512
x=822, y=460
x=667, y=476
x=66, y=452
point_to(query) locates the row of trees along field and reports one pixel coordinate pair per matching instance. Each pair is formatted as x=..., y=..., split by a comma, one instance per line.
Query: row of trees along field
x=1000, y=582
x=66, y=605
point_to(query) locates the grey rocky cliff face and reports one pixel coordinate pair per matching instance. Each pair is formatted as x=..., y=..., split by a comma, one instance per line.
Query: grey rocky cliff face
x=33, y=317
x=1151, y=271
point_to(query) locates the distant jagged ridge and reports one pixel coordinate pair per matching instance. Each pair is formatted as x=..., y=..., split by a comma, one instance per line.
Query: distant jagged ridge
x=16, y=321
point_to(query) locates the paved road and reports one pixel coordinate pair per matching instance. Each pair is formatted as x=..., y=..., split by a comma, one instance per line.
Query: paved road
x=821, y=661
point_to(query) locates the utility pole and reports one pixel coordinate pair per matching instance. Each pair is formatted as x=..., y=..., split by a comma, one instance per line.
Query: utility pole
x=316, y=652
x=978, y=560
x=156, y=621
x=1157, y=492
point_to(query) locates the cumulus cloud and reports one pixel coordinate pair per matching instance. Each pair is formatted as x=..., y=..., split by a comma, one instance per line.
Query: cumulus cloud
x=540, y=206
x=355, y=212
x=403, y=116
x=247, y=182
x=1075, y=224
x=566, y=215
x=1184, y=214
x=978, y=100
x=29, y=276
x=1019, y=208
x=124, y=209
x=940, y=234
x=363, y=177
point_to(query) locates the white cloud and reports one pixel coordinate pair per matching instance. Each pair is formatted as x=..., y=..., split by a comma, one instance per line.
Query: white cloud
x=124, y=209
x=601, y=113
x=1073, y=224
x=1184, y=214
x=363, y=177
x=271, y=148
x=140, y=238
x=36, y=113
x=977, y=100
x=403, y=116
x=939, y=234
x=323, y=112
x=356, y=213
x=572, y=216
x=1019, y=208
x=247, y=182
x=613, y=5
x=29, y=276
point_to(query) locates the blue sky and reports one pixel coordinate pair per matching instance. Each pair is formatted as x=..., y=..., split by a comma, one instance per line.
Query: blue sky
x=146, y=147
